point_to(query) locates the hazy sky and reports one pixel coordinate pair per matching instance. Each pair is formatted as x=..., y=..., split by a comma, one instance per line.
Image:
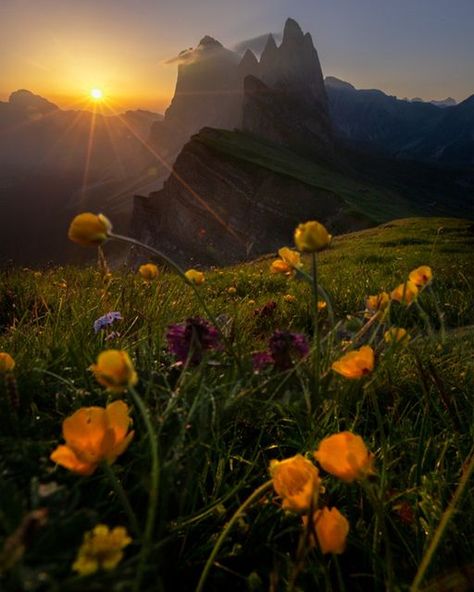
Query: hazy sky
x=62, y=48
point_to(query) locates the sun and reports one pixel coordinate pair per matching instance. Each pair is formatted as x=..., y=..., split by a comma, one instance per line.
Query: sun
x=96, y=94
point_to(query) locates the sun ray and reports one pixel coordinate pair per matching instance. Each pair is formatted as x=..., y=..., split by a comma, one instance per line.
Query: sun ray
x=180, y=180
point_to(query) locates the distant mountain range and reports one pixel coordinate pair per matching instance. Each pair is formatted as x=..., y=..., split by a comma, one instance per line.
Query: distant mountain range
x=374, y=121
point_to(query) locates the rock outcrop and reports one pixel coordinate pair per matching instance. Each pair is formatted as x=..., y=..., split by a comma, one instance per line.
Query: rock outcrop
x=219, y=207
x=287, y=103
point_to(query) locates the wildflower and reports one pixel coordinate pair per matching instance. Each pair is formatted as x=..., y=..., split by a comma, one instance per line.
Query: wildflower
x=102, y=548
x=284, y=347
x=296, y=480
x=377, y=302
x=149, y=271
x=94, y=435
x=405, y=293
x=288, y=262
x=90, y=229
x=322, y=304
x=345, y=455
x=266, y=310
x=107, y=320
x=311, y=237
x=289, y=298
x=421, y=276
x=7, y=363
x=356, y=363
x=114, y=370
x=232, y=290
x=195, y=336
x=261, y=360
x=331, y=529
x=396, y=335
x=195, y=277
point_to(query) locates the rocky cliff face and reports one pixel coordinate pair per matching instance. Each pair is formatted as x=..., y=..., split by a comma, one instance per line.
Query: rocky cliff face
x=218, y=209
x=285, y=101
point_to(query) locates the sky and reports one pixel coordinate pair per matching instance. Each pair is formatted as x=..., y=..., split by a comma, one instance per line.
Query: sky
x=62, y=48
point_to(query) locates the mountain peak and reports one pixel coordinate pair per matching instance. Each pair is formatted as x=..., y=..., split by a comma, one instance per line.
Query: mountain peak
x=334, y=82
x=248, y=64
x=209, y=42
x=27, y=100
x=292, y=31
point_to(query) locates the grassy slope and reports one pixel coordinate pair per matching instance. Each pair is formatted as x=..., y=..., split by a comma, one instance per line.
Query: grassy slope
x=379, y=199
x=218, y=429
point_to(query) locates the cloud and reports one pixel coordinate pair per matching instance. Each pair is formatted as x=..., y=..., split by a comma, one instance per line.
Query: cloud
x=256, y=44
x=184, y=57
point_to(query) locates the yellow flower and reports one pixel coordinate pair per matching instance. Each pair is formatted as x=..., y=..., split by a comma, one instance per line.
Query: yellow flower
x=102, y=548
x=289, y=298
x=232, y=290
x=288, y=262
x=90, y=229
x=405, y=293
x=296, y=480
x=114, y=370
x=322, y=304
x=377, y=302
x=331, y=529
x=311, y=236
x=195, y=277
x=345, y=455
x=149, y=271
x=355, y=364
x=94, y=435
x=7, y=363
x=421, y=276
x=290, y=257
x=396, y=335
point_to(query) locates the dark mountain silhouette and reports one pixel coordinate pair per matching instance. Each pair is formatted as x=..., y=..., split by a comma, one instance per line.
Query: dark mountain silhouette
x=45, y=167
x=375, y=121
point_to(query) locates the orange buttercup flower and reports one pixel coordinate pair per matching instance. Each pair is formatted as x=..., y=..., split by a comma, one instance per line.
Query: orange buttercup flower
x=148, y=271
x=322, y=304
x=94, y=435
x=421, y=276
x=296, y=480
x=288, y=262
x=7, y=363
x=331, y=529
x=195, y=277
x=289, y=298
x=345, y=455
x=396, y=335
x=405, y=293
x=377, y=302
x=311, y=237
x=114, y=370
x=356, y=363
x=90, y=229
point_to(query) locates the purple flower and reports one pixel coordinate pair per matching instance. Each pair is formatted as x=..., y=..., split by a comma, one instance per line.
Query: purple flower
x=261, y=360
x=285, y=347
x=192, y=338
x=106, y=320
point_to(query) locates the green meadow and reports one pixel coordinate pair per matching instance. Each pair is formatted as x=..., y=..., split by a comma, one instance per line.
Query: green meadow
x=217, y=424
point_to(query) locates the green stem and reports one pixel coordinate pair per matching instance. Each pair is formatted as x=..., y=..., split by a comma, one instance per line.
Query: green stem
x=446, y=517
x=377, y=504
x=316, y=336
x=180, y=272
x=240, y=510
x=154, y=485
x=122, y=496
